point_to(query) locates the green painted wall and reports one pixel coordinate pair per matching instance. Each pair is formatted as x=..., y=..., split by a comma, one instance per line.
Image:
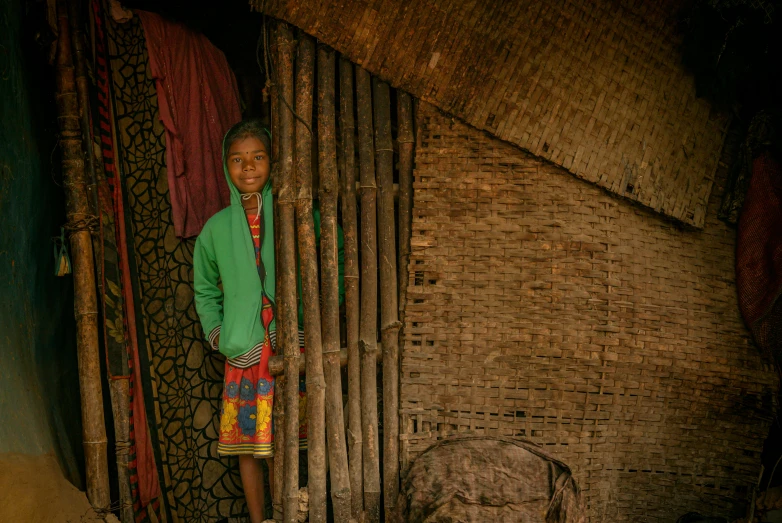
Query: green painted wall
x=39, y=393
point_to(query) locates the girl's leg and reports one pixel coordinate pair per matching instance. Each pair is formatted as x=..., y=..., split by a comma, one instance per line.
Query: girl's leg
x=252, y=483
x=270, y=466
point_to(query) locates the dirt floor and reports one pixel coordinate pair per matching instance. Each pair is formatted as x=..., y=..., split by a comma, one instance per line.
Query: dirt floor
x=33, y=489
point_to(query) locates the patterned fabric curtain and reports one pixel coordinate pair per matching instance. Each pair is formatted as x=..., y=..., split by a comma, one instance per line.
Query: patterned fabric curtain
x=181, y=378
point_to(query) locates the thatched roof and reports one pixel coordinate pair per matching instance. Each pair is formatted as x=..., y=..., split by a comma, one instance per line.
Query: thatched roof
x=595, y=87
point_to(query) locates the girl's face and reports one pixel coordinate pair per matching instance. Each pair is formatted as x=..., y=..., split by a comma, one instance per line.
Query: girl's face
x=248, y=165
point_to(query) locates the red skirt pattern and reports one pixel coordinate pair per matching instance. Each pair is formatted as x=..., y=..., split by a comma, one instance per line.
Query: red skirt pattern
x=246, y=425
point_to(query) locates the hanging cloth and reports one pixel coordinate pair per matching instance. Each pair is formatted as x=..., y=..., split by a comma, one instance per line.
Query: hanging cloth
x=198, y=102
x=759, y=255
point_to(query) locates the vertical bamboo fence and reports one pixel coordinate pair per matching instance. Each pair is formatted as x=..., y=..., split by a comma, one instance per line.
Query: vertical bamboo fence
x=287, y=323
x=351, y=271
x=364, y=124
x=405, y=139
x=278, y=410
x=329, y=251
x=80, y=220
x=389, y=315
x=316, y=387
x=368, y=316
x=371, y=232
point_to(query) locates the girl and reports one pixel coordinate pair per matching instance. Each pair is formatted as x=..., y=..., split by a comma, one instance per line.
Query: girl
x=236, y=248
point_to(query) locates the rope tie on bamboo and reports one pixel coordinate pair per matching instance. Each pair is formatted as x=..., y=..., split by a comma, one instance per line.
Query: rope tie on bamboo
x=249, y=195
x=115, y=505
x=122, y=447
x=88, y=222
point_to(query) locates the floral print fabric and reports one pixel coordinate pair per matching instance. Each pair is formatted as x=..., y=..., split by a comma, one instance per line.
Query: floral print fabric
x=246, y=415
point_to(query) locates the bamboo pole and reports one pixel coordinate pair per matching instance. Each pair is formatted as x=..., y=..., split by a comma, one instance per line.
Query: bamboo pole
x=286, y=291
x=120, y=402
x=405, y=139
x=119, y=388
x=405, y=200
x=329, y=251
x=368, y=323
x=278, y=409
x=350, y=229
x=276, y=363
x=278, y=414
x=389, y=319
x=316, y=386
x=85, y=298
x=82, y=90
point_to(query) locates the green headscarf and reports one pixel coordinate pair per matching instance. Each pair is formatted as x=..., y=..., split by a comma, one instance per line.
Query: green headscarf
x=243, y=244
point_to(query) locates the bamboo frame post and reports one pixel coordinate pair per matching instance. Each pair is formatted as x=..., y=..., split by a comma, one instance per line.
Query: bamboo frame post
x=82, y=89
x=350, y=230
x=278, y=465
x=120, y=402
x=286, y=291
x=405, y=140
x=85, y=295
x=278, y=409
x=329, y=251
x=276, y=363
x=389, y=320
x=368, y=322
x=316, y=386
x=119, y=388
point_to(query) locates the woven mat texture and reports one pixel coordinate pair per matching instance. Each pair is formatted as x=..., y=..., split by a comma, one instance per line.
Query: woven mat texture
x=595, y=87
x=539, y=306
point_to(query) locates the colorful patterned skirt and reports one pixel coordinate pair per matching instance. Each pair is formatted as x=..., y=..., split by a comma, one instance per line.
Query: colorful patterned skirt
x=246, y=425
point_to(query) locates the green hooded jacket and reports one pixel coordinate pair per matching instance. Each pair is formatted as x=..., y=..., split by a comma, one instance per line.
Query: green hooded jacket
x=224, y=253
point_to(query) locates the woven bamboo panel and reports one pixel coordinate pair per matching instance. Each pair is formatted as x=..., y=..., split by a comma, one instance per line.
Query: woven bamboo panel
x=595, y=87
x=540, y=306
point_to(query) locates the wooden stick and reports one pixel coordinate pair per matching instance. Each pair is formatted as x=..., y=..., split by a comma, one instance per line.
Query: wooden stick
x=120, y=402
x=277, y=364
x=316, y=386
x=368, y=324
x=287, y=308
x=329, y=252
x=82, y=89
x=406, y=140
x=389, y=314
x=278, y=409
x=278, y=413
x=350, y=229
x=80, y=218
x=405, y=200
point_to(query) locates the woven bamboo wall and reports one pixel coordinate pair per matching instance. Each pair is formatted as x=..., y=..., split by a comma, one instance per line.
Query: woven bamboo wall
x=595, y=87
x=541, y=306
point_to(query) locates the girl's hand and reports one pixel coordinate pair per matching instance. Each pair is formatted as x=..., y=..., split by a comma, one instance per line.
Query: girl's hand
x=217, y=343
